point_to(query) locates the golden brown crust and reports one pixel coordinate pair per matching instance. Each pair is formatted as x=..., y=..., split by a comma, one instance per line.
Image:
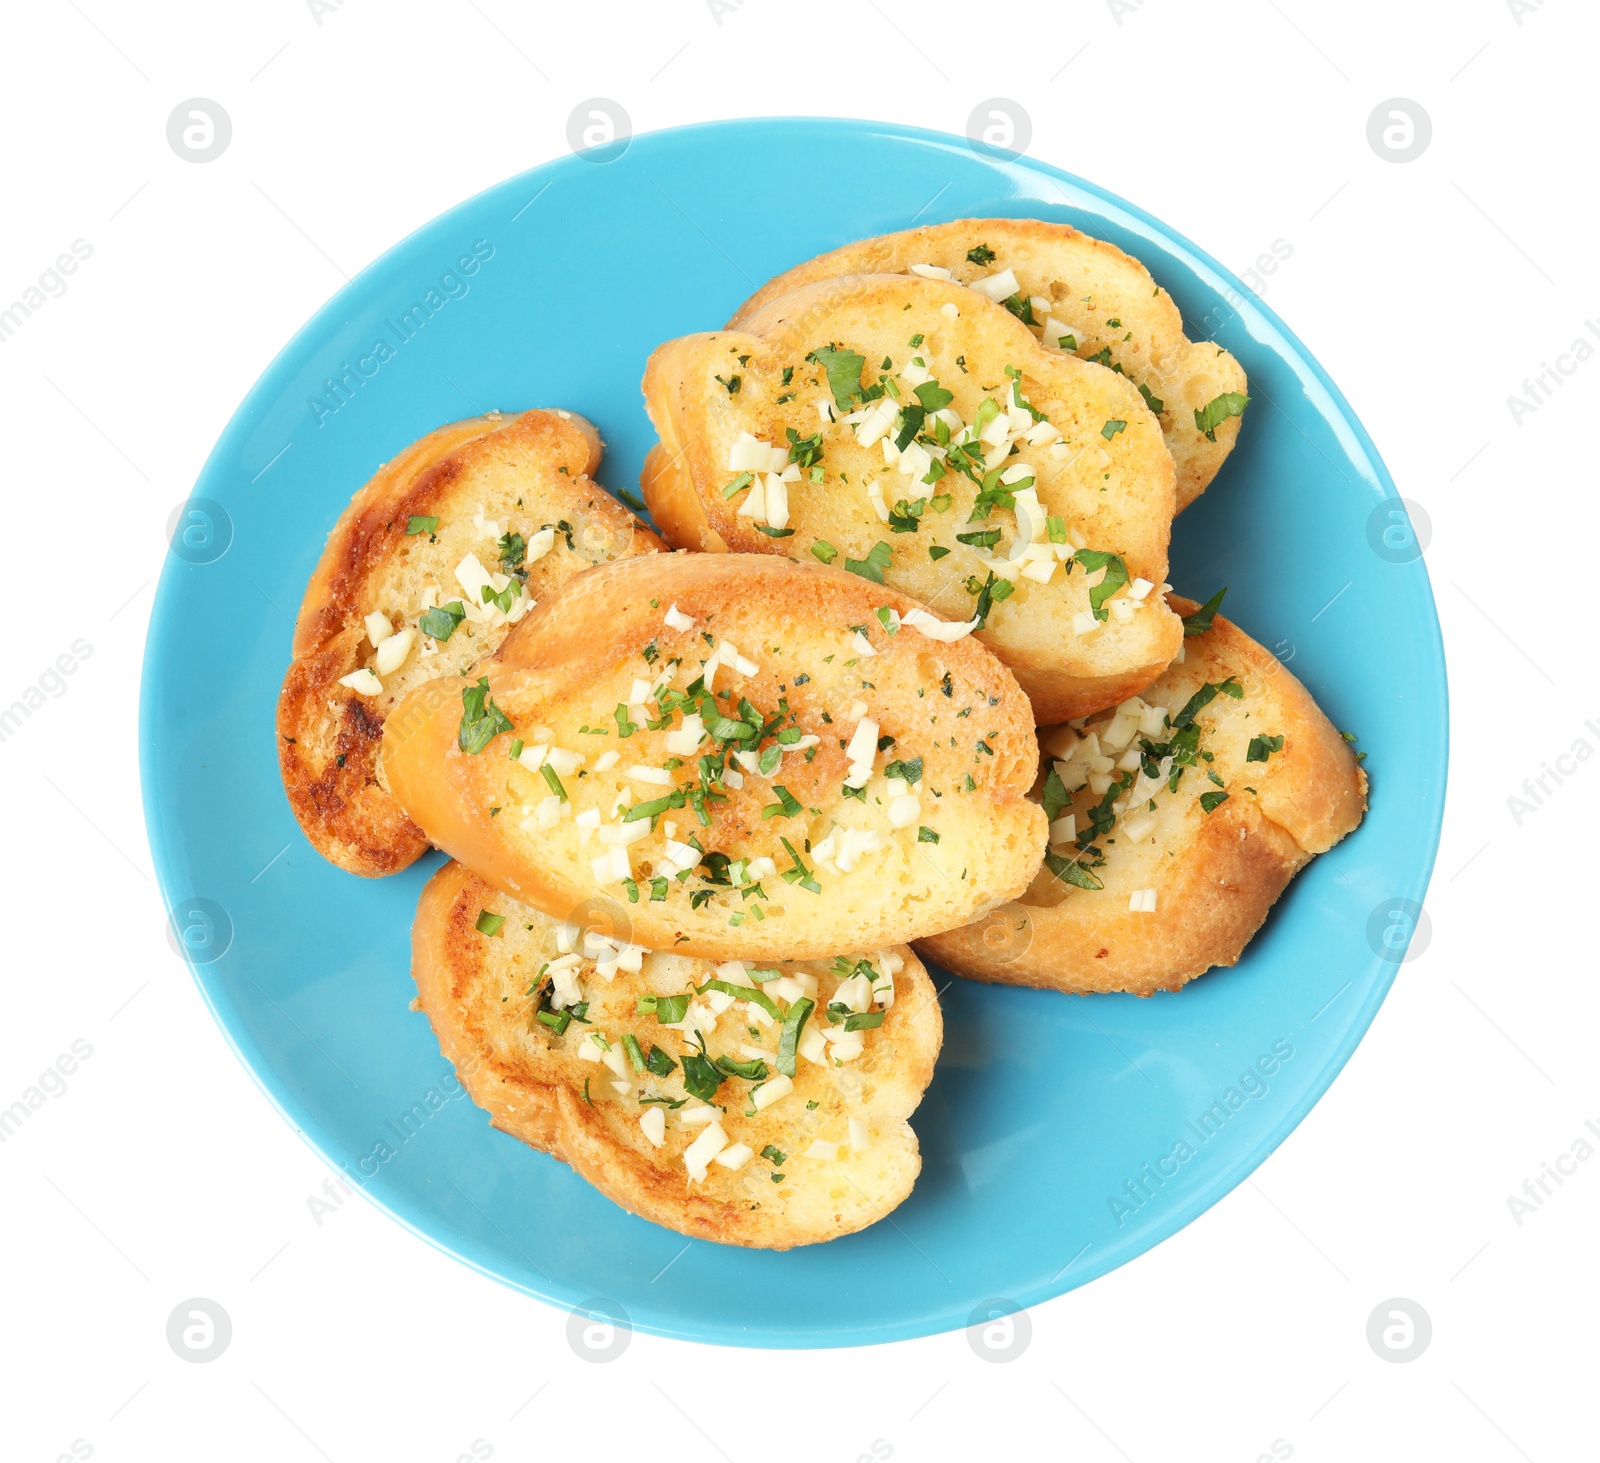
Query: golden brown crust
x=1114, y=492
x=571, y=662
x=1092, y=283
x=475, y=990
x=328, y=734
x=1231, y=864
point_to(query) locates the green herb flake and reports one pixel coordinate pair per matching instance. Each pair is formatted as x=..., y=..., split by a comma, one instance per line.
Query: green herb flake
x=1215, y=412
x=440, y=623
x=489, y=924
x=1200, y=621
x=481, y=720
x=420, y=523
x=1263, y=747
x=879, y=557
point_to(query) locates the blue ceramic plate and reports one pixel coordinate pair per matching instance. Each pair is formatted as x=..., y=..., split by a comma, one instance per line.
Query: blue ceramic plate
x=1052, y=1132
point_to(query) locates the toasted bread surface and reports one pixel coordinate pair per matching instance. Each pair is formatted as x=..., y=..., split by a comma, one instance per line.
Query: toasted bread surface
x=1215, y=854
x=517, y=1011
x=480, y=479
x=1067, y=458
x=1105, y=297
x=747, y=837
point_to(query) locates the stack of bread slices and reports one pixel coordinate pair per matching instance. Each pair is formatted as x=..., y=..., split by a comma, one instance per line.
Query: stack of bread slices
x=898, y=669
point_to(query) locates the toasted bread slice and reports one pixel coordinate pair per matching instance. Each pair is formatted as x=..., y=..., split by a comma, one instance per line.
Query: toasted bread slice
x=784, y=1151
x=1161, y=895
x=720, y=857
x=526, y=475
x=1068, y=458
x=1102, y=299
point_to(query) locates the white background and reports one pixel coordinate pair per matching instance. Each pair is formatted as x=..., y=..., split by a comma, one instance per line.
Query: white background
x=1429, y=289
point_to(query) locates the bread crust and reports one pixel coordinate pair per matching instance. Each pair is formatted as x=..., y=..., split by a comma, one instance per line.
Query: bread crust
x=474, y=991
x=1115, y=492
x=570, y=656
x=328, y=734
x=1066, y=266
x=1232, y=864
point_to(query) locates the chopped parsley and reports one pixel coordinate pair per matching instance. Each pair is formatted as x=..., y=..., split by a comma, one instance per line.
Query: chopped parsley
x=982, y=254
x=844, y=374
x=481, y=720
x=1200, y=621
x=440, y=622
x=879, y=557
x=1215, y=412
x=1263, y=747
x=420, y=523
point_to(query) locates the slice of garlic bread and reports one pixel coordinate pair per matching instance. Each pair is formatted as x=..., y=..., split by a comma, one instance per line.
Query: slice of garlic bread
x=446, y=548
x=1079, y=294
x=760, y=759
x=1176, y=821
x=763, y=1107
x=918, y=430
